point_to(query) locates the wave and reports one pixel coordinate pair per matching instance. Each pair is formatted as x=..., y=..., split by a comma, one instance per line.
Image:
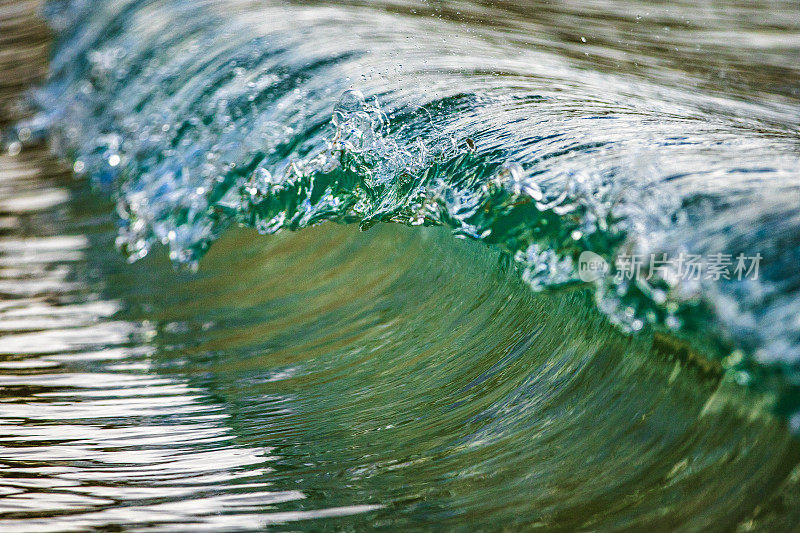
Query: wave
x=196, y=116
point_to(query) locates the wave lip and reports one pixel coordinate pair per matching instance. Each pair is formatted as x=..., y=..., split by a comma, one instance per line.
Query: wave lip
x=368, y=115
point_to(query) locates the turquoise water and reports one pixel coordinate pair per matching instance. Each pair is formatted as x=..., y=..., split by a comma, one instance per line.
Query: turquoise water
x=450, y=366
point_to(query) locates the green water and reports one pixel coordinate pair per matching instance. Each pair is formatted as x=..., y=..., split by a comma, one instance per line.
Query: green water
x=313, y=266
x=389, y=379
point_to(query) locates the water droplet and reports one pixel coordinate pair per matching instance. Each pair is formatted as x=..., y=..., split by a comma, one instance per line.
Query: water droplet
x=351, y=102
x=14, y=148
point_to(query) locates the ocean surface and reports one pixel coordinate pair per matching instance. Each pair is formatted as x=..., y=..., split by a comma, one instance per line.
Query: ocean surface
x=461, y=265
